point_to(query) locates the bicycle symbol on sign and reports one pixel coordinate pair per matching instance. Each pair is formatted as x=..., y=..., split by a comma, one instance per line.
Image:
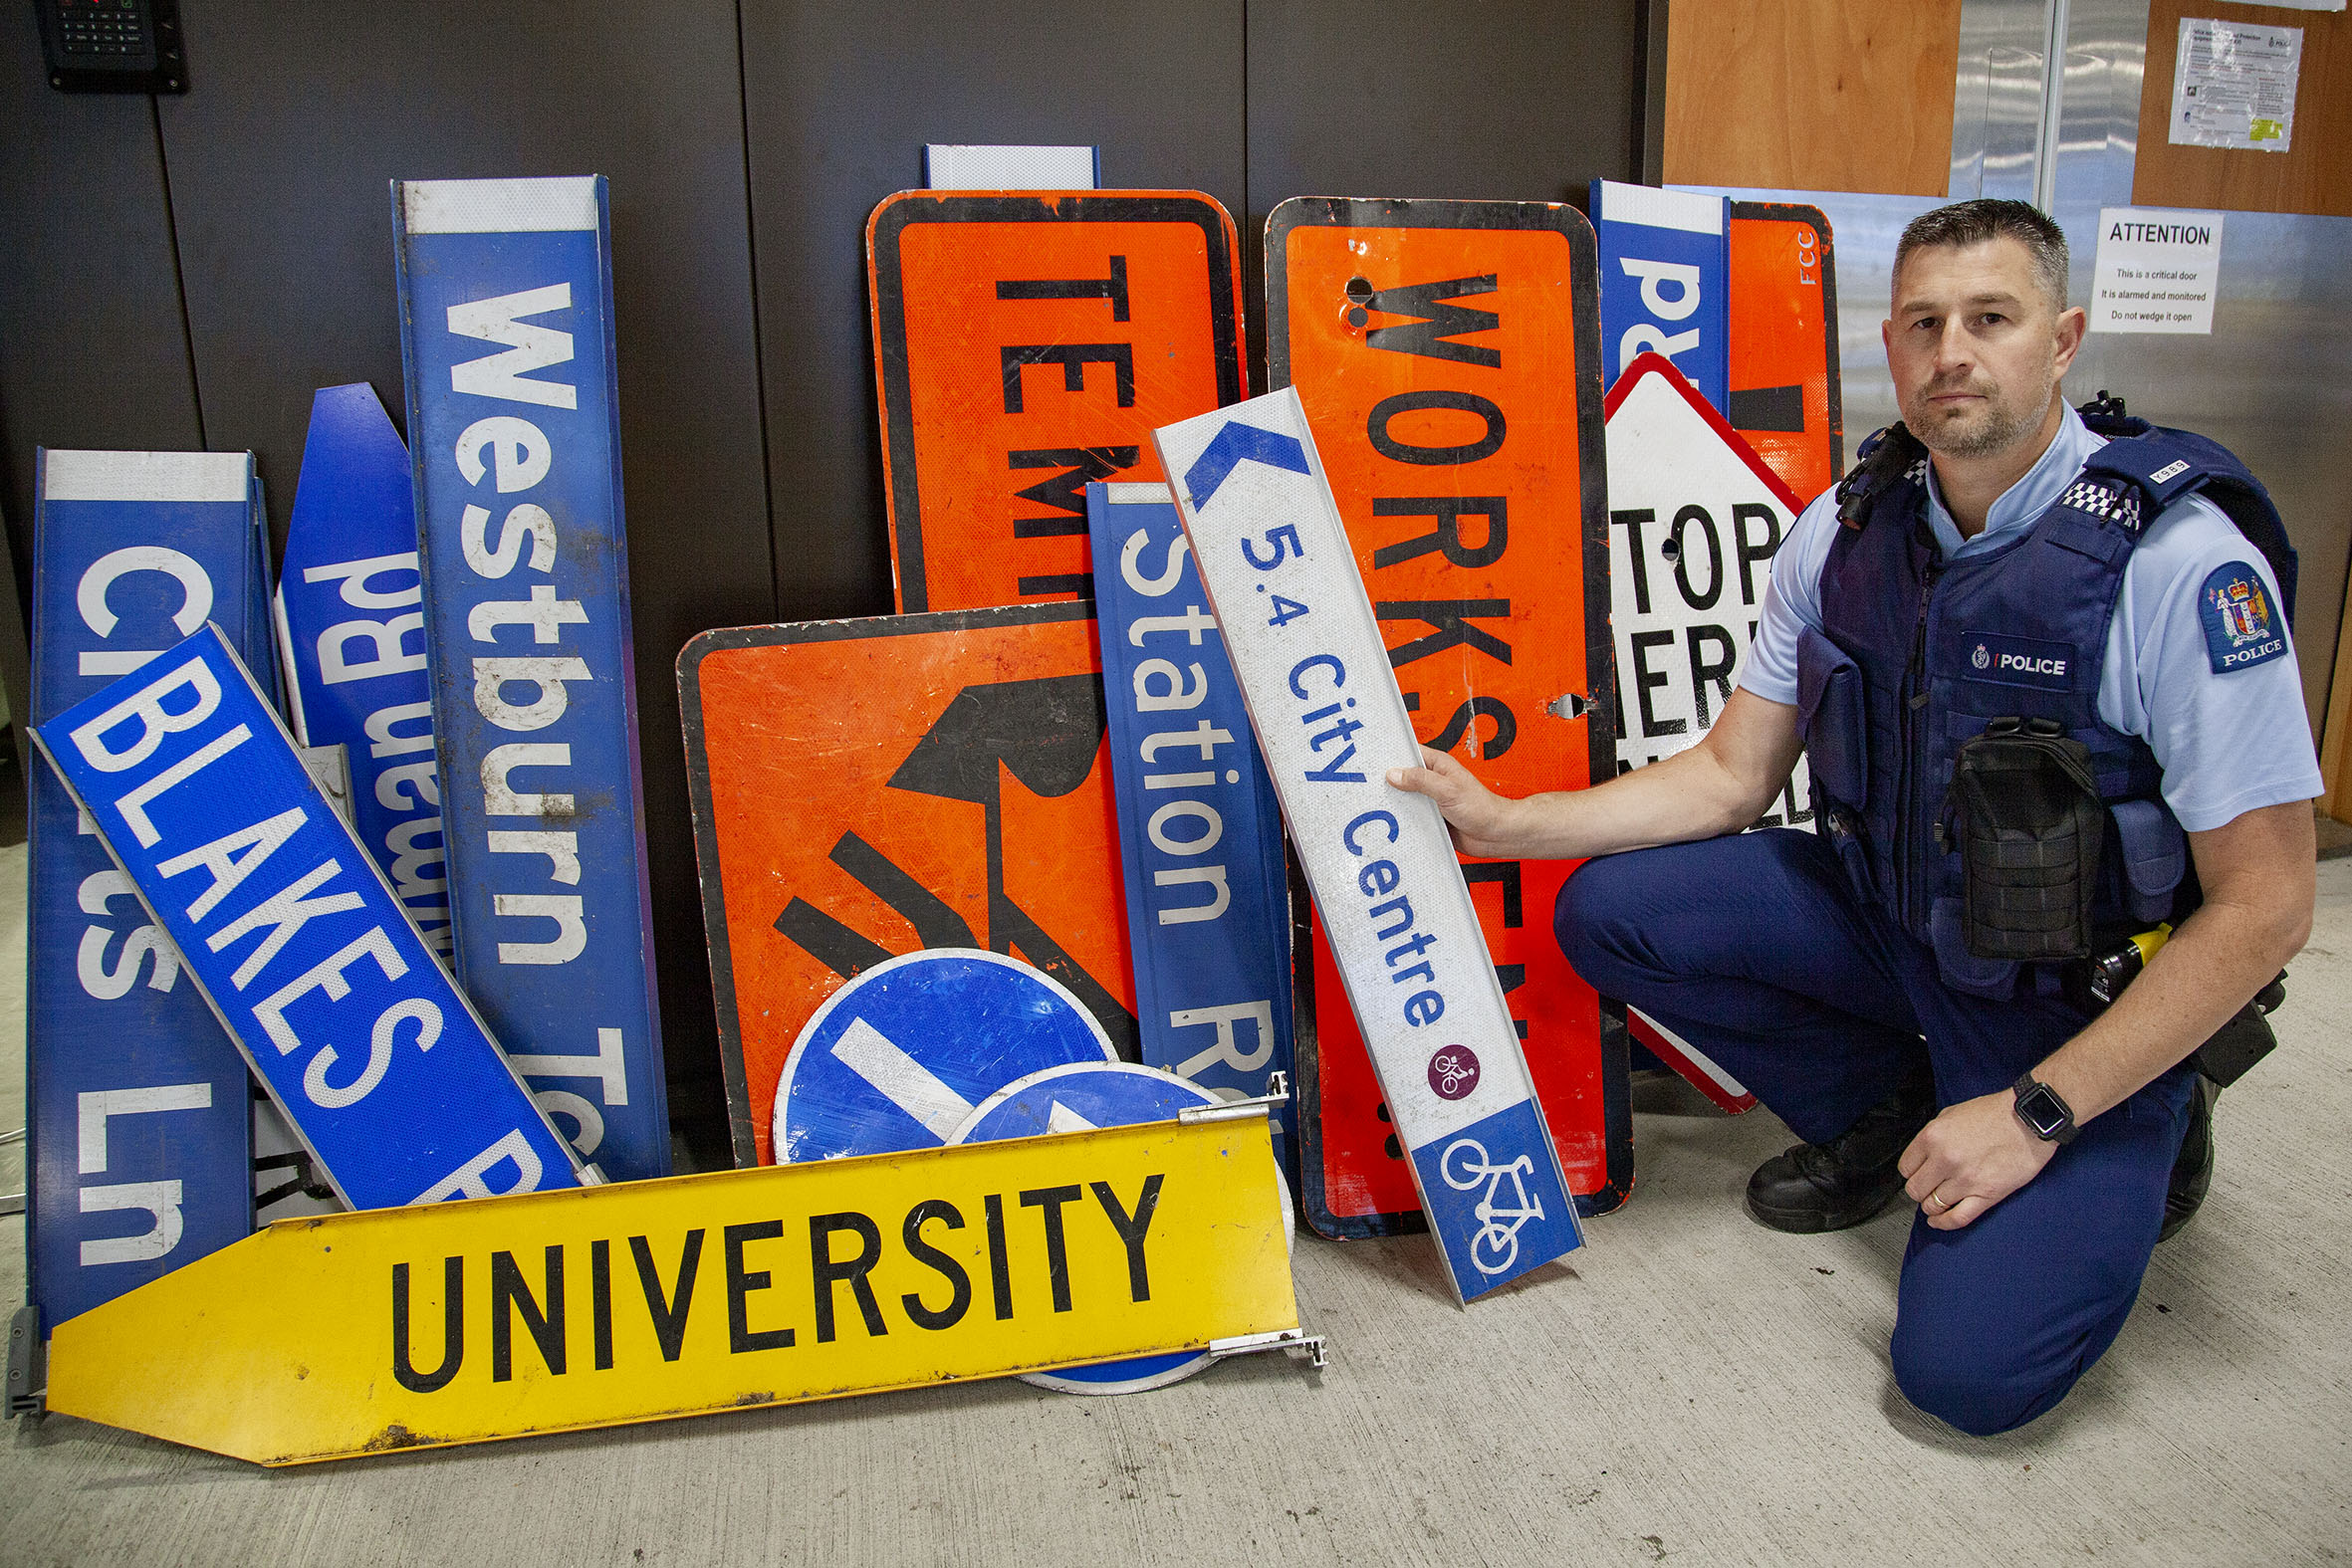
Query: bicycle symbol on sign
x=1498, y=1227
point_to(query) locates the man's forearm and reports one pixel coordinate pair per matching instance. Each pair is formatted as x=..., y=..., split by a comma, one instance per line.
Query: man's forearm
x=1718, y=786
x=1673, y=801
x=2218, y=958
x=2235, y=943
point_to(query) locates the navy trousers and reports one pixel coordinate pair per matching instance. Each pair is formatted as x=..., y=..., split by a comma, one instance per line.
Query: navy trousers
x=1755, y=950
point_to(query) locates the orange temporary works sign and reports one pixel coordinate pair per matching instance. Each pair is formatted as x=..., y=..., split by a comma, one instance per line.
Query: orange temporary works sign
x=1447, y=356
x=864, y=788
x=1026, y=345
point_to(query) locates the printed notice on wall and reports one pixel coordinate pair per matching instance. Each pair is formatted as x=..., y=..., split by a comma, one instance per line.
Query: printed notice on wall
x=2158, y=271
x=2233, y=84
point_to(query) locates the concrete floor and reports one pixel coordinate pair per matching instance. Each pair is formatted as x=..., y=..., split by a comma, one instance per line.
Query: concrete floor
x=1696, y=1389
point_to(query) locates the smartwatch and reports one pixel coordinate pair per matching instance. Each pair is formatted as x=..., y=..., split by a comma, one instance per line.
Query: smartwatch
x=2044, y=1114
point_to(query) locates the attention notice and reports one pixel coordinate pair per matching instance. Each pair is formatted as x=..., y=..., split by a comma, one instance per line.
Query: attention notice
x=2158, y=271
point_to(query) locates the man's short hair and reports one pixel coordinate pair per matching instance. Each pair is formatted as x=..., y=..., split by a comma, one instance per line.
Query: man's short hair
x=1967, y=223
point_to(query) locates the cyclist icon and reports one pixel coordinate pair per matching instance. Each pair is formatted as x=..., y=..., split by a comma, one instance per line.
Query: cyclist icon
x=1464, y=1164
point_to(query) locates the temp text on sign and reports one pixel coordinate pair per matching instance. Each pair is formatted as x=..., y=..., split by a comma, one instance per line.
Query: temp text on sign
x=641, y=1301
x=1276, y=564
x=1024, y=345
x=506, y=307
x=294, y=938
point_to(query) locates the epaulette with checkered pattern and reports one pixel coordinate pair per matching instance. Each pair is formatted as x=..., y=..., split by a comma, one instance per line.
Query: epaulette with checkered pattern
x=2145, y=468
x=2105, y=499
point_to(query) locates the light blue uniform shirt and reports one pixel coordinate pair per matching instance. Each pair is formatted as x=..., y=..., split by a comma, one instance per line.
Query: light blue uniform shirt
x=2227, y=743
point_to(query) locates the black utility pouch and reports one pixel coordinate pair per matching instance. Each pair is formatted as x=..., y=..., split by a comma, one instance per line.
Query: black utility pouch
x=2026, y=811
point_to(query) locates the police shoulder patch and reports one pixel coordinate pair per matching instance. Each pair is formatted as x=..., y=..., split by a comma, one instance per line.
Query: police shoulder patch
x=2242, y=624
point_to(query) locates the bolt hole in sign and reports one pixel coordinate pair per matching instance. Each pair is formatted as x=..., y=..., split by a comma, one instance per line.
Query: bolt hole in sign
x=296, y=940
x=1331, y=722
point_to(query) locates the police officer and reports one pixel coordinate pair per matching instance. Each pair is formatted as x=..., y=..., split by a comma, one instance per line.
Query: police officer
x=1841, y=976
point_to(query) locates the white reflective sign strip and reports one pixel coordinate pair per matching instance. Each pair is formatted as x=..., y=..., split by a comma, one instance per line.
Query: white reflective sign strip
x=1661, y=209
x=955, y=166
x=145, y=476
x=499, y=206
x=904, y=1081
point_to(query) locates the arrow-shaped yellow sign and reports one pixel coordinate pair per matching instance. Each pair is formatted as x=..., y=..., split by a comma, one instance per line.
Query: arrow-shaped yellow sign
x=399, y=1328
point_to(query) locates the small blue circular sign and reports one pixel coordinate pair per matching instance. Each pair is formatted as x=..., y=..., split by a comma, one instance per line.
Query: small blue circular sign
x=1077, y=1098
x=903, y=1054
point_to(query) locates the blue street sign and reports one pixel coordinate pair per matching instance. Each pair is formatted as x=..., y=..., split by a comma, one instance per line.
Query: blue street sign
x=296, y=939
x=1078, y=1098
x=1665, y=283
x=506, y=310
x=350, y=611
x=902, y=1055
x=1331, y=722
x=139, y=1106
x=1200, y=830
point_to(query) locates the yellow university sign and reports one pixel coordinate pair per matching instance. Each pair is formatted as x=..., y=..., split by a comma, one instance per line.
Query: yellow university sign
x=399, y=1328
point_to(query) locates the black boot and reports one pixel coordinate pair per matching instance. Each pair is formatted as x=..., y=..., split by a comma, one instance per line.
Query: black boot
x=2193, y=1167
x=1852, y=1177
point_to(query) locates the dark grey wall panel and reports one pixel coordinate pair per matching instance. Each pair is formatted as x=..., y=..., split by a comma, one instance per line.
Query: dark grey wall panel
x=1495, y=100
x=93, y=349
x=1492, y=99
x=278, y=164
x=840, y=100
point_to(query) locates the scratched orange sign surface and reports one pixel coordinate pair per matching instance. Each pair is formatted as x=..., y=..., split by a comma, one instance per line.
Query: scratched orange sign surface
x=1024, y=345
x=1784, y=342
x=864, y=788
x=1449, y=359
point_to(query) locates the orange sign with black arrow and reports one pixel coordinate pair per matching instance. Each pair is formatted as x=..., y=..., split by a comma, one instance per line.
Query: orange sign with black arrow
x=864, y=788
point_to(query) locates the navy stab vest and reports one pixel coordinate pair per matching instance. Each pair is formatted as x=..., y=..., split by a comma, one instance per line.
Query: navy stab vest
x=1922, y=654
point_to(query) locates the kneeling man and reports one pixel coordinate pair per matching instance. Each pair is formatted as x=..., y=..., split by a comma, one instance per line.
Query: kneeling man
x=2049, y=703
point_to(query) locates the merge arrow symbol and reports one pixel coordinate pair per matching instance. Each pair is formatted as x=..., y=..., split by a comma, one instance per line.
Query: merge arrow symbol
x=1232, y=446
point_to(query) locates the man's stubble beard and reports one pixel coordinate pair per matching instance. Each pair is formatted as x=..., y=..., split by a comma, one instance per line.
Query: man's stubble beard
x=2003, y=423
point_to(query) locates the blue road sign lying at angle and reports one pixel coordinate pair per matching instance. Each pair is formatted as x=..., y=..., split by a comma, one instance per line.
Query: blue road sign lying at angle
x=350, y=626
x=902, y=1055
x=506, y=313
x=1076, y=1098
x=1665, y=283
x=1200, y=832
x=296, y=940
x=1330, y=721
x=139, y=1107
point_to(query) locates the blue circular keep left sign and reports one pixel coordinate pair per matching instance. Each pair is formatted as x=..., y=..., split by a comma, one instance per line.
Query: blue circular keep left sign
x=904, y=1053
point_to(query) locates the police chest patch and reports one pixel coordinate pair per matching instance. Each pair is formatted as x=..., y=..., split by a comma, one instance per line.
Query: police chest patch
x=2242, y=624
x=2018, y=661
